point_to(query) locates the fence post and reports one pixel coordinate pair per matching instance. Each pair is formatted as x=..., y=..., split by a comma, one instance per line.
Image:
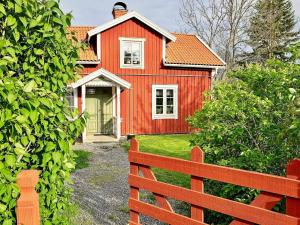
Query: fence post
x=28, y=211
x=134, y=192
x=293, y=204
x=197, y=155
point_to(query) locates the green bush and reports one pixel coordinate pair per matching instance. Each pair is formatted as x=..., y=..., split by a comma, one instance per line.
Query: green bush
x=251, y=121
x=37, y=61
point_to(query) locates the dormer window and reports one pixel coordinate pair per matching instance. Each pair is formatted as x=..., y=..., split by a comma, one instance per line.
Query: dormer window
x=132, y=53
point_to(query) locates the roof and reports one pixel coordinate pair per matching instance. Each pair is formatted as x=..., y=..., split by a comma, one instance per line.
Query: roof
x=88, y=54
x=191, y=50
x=187, y=50
x=128, y=16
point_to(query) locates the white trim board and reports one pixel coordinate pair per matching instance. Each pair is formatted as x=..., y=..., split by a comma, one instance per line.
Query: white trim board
x=102, y=72
x=192, y=66
x=126, y=17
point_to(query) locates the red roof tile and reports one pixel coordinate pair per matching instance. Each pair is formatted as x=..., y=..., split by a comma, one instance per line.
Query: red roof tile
x=88, y=54
x=188, y=49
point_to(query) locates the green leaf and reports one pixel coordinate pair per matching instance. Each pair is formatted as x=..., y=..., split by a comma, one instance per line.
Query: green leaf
x=2, y=207
x=29, y=86
x=46, y=158
x=34, y=116
x=50, y=146
x=35, y=22
x=292, y=90
x=57, y=20
x=21, y=119
x=7, y=222
x=70, y=165
x=38, y=51
x=11, y=20
x=2, y=9
x=20, y=151
x=56, y=157
x=18, y=128
x=11, y=97
x=63, y=145
x=18, y=9
x=10, y=161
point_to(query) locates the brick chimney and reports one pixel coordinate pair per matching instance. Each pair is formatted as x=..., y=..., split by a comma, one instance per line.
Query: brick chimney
x=119, y=9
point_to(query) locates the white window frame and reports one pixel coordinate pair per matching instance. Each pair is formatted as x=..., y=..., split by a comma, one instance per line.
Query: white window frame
x=74, y=93
x=165, y=115
x=132, y=66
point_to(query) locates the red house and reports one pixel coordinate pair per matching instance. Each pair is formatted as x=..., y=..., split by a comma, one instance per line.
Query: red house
x=139, y=78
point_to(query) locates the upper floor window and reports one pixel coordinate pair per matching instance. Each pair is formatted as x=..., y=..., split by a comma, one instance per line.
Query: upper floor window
x=132, y=53
x=164, y=102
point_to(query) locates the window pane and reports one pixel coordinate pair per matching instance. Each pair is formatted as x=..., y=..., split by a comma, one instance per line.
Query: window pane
x=70, y=98
x=127, y=60
x=170, y=101
x=136, y=52
x=170, y=109
x=159, y=109
x=159, y=93
x=170, y=93
x=160, y=101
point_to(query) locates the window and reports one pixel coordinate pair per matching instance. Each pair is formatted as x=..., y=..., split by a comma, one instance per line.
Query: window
x=132, y=53
x=71, y=98
x=164, y=102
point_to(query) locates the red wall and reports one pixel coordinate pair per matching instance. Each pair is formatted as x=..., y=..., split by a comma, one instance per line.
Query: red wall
x=136, y=103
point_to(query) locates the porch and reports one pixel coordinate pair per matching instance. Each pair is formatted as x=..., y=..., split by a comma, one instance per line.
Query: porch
x=99, y=95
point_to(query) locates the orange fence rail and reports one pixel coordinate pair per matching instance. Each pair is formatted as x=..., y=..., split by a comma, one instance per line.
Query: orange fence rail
x=273, y=189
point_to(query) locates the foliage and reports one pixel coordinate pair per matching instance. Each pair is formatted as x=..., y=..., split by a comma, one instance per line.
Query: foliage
x=82, y=159
x=252, y=122
x=271, y=30
x=37, y=60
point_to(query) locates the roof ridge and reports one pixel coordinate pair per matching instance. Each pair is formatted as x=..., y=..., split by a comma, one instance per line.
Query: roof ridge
x=183, y=34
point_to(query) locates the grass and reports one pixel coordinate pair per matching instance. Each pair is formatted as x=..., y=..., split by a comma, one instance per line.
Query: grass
x=168, y=145
x=82, y=159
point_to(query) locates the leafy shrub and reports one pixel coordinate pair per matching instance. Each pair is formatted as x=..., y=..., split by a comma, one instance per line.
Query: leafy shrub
x=251, y=121
x=37, y=61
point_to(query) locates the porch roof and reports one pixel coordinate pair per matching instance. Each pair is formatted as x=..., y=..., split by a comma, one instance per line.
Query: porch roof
x=104, y=73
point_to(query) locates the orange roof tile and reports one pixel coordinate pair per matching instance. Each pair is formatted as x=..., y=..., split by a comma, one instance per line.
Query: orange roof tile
x=89, y=53
x=187, y=49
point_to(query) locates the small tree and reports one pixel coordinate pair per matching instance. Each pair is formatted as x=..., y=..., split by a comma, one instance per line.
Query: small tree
x=252, y=122
x=37, y=61
x=271, y=30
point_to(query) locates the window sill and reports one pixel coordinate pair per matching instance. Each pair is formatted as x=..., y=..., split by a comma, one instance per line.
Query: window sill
x=132, y=67
x=164, y=117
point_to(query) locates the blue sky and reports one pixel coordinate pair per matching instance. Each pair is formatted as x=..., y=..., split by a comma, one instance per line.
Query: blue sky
x=162, y=12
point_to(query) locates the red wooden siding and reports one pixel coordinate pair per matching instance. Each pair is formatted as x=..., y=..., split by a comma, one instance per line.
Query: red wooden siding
x=136, y=103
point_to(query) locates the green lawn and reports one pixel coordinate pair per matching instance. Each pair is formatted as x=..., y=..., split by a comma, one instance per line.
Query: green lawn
x=168, y=145
x=82, y=159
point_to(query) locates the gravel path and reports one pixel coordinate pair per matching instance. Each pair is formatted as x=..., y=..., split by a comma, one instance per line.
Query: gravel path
x=101, y=190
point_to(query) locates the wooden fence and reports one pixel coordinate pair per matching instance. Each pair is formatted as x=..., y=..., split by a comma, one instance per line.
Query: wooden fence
x=273, y=189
